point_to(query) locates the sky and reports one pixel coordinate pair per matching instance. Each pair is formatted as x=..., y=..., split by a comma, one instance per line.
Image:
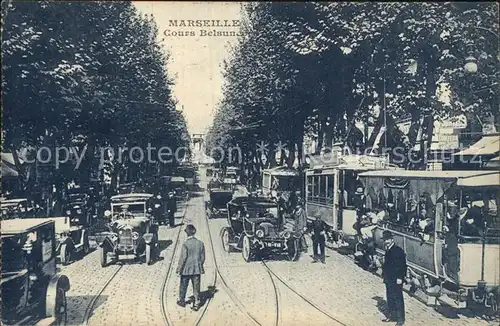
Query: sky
x=195, y=60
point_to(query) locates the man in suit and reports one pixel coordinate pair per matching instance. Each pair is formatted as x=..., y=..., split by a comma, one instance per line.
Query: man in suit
x=319, y=238
x=171, y=209
x=394, y=272
x=190, y=266
x=301, y=223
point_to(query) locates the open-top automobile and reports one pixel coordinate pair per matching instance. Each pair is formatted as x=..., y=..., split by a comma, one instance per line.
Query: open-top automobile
x=179, y=186
x=33, y=290
x=220, y=196
x=16, y=208
x=257, y=231
x=133, y=231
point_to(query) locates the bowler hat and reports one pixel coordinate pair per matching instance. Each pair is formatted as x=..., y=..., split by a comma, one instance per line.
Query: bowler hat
x=190, y=229
x=386, y=235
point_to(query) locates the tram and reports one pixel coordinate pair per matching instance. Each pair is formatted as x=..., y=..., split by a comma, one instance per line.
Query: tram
x=280, y=179
x=330, y=187
x=448, y=223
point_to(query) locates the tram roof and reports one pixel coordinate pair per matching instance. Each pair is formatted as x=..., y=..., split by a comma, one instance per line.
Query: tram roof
x=258, y=201
x=281, y=171
x=465, y=178
x=16, y=226
x=8, y=202
x=128, y=197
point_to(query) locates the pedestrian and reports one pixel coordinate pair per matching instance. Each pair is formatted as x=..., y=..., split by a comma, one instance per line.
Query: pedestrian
x=301, y=223
x=394, y=272
x=319, y=238
x=190, y=267
x=171, y=209
x=359, y=204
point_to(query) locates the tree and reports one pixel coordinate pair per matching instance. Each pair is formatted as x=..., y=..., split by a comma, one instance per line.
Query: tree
x=89, y=74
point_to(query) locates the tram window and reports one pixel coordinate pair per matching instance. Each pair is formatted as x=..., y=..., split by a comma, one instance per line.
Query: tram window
x=266, y=182
x=316, y=186
x=330, y=187
x=322, y=188
x=350, y=185
x=310, y=186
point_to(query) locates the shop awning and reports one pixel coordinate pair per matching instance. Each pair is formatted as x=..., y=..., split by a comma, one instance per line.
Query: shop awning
x=488, y=145
x=491, y=179
x=8, y=166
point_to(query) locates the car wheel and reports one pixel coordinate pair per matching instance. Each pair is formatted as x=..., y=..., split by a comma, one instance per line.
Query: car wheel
x=247, y=249
x=293, y=250
x=226, y=239
x=149, y=252
x=60, y=311
x=65, y=255
x=103, y=256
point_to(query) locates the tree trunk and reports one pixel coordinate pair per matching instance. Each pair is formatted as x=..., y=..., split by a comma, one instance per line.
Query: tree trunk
x=291, y=154
x=271, y=156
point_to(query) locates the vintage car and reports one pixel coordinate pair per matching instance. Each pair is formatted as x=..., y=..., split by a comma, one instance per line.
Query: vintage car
x=232, y=172
x=179, y=186
x=216, y=206
x=16, y=208
x=33, y=291
x=188, y=172
x=280, y=179
x=256, y=230
x=79, y=207
x=133, y=230
x=131, y=187
x=72, y=238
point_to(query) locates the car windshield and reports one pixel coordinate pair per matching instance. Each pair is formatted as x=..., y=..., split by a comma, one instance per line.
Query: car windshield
x=137, y=210
x=77, y=197
x=258, y=211
x=13, y=255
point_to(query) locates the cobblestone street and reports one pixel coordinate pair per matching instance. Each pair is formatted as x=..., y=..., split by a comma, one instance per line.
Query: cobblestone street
x=277, y=292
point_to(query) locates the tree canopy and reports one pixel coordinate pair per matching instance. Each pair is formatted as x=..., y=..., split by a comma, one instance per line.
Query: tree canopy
x=314, y=69
x=86, y=73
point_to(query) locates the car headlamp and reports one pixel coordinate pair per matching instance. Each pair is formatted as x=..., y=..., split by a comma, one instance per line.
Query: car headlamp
x=68, y=212
x=259, y=233
x=120, y=232
x=4, y=212
x=157, y=205
x=135, y=235
x=286, y=235
x=107, y=213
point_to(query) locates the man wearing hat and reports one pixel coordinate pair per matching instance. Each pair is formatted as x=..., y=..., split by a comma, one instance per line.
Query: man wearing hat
x=359, y=204
x=394, y=272
x=301, y=223
x=171, y=209
x=190, y=266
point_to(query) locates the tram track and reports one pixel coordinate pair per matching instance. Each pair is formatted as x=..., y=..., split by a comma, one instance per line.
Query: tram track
x=119, y=267
x=164, y=309
x=277, y=298
x=91, y=306
x=273, y=275
x=218, y=276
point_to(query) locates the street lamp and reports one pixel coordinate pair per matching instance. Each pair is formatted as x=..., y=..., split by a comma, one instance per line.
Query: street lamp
x=470, y=64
